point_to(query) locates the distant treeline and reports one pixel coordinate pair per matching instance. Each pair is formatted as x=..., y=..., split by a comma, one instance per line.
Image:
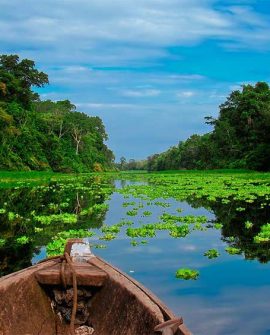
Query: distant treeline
x=45, y=135
x=240, y=138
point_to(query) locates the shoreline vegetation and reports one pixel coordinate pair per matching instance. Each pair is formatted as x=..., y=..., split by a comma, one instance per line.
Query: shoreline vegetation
x=38, y=135
x=14, y=177
x=45, y=135
x=240, y=138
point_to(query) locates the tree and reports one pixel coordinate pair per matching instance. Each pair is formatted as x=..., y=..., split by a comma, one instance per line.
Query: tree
x=242, y=130
x=240, y=138
x=17, y=78
x=41, y=135
x=123, y=162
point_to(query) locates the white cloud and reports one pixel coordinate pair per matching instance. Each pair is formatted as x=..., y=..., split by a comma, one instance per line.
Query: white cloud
x=185, y=94
x=76, y=69
x=141, y=93
x=124, y=31
x=186, y=77
x=94, y=105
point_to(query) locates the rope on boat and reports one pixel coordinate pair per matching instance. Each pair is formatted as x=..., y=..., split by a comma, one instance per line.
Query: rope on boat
x=62, y=272
x=66, y=259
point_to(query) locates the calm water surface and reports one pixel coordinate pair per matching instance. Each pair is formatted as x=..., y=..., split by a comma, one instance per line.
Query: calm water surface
x=232, y=294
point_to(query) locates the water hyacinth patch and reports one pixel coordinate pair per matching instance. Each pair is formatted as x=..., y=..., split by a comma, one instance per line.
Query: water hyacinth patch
x=145, y=231
x=264, y=234
x=115, y=229
x=233, y=251
x=135, y=243
x=248, y=225
x=99, y=246
x=132, y=212
x=131, y=203
x=187, y=274
x=218, y=225
x=212, y=253
x=124, y=222
x=49, y=219
x=180, y=231
x=108, y=237
x=162, y=204
x=147, y=213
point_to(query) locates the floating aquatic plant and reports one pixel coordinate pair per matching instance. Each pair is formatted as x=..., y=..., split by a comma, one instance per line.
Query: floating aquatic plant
x=133, y=212
x=218, y=225
x=233, y=251
x=135, y=243
x=124, y=222
x=248, y=225
x=187, y=274
x=115, y=229
x=212, y=253
x=49, y=219
x=108, y=237
x=141, y=232
x=162, y=204
x=180, y=231
x=147, y=213
x=263, y=235
x=126, y=204
x=99, y=246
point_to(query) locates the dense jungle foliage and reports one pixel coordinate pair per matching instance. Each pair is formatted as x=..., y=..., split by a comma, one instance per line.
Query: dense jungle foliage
x=240, y=138
x=45, y=135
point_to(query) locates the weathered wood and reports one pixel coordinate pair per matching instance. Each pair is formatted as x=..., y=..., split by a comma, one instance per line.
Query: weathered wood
x=24, y=306
x=86, y=274
x=121, y=306
x=139, y=291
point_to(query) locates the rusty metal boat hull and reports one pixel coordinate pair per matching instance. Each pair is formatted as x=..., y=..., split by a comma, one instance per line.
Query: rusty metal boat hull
x=119, y=306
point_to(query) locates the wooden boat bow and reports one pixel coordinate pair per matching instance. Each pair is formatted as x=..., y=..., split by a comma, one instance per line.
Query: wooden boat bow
x=79, y=293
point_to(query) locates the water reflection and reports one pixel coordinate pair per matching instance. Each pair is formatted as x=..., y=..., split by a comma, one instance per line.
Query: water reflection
x=21, y=226
x=234, y=217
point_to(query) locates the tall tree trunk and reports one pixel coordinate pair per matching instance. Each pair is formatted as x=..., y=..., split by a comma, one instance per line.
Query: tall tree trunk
x=77, y=147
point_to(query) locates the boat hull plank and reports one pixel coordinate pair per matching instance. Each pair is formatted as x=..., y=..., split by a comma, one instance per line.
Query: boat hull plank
x=86, y=274
x=149, y=301
x=121, y=308
x=24, y=306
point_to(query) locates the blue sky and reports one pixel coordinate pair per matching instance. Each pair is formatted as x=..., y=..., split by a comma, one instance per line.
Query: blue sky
x=151, y=69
